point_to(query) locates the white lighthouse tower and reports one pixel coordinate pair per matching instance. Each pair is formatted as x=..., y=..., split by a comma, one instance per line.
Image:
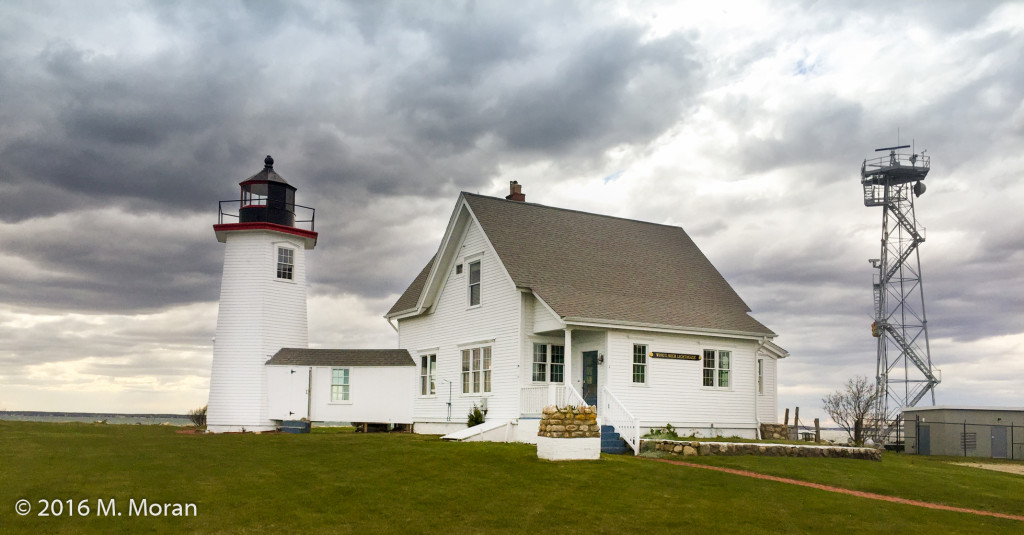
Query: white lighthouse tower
x=262, y=296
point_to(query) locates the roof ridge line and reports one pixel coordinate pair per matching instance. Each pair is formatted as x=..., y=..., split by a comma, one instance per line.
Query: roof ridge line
x=574, y=211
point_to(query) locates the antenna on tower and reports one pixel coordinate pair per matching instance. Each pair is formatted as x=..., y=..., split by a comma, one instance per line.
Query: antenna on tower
x=904, y=372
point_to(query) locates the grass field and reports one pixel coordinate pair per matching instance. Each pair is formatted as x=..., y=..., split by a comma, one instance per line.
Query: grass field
x=368, y=483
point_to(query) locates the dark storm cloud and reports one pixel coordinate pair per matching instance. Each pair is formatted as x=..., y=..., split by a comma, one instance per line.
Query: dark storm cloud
x=108, y=261
x=353, y=104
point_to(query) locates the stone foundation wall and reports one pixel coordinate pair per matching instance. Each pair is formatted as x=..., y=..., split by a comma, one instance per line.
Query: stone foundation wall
x=774, y=450
x=569, y=422
x=774, y=432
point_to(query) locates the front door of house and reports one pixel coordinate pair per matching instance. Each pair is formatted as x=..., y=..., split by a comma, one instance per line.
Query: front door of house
x=590, y=377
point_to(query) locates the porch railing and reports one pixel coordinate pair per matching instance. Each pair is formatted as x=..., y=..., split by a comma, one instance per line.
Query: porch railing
x=615, y=414
x=533, y=399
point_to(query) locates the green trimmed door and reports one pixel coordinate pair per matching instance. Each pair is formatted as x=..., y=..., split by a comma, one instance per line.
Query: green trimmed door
x=590, y=377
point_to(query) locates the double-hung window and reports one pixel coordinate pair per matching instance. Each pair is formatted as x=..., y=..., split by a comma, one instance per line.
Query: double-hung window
x=548, y=363
x=285, y=263
x=640, y=363
x=540, y=362
x=557, y=364
x=428, y=374
x=476, y=370
x=339, y=384
x=474, y=283
x=717, y=367
x=760, y=376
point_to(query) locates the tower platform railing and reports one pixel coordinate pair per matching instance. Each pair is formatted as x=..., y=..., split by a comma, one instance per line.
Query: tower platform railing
x=898, y=164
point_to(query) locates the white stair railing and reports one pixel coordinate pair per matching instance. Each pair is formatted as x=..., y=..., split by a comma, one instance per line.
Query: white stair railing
x=615, y=414
x=568, y=396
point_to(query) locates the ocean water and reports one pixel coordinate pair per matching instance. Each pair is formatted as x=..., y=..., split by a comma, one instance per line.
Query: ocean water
x=91, y=417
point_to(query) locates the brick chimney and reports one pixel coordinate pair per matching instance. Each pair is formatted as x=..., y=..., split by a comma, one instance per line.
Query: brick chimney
x=515, y=192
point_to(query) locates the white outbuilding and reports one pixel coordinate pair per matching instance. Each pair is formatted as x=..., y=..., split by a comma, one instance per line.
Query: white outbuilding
x=342, y=385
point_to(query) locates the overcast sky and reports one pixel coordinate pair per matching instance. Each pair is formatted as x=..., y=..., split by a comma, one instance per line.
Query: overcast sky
x=123, y=123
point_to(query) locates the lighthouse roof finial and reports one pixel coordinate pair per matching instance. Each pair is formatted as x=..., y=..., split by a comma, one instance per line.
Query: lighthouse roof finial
x=267, y=174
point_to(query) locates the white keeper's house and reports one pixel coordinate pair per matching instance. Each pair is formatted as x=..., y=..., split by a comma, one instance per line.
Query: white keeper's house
x=525, y=304
x=522, y=306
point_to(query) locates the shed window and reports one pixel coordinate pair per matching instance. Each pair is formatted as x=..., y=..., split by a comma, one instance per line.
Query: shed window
x=339, y=384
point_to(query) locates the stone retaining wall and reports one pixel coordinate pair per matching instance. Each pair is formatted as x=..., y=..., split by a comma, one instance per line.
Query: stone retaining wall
x=695, y=448
x=569, y=422
x=774, y=432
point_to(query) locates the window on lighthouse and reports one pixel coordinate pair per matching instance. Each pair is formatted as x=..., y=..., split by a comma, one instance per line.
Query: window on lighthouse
x=285, y=263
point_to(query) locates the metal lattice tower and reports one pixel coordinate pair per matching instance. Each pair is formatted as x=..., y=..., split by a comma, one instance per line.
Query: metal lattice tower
x=904, y=374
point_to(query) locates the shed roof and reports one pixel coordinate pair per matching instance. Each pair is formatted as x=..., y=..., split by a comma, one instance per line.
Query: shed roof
x=965, y=408
x=291, y=356
x=598, y=268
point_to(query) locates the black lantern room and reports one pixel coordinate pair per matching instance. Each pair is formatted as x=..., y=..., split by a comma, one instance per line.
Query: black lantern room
x=267, y=198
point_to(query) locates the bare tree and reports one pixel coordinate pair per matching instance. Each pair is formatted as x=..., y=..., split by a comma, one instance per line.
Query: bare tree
x=848, y=407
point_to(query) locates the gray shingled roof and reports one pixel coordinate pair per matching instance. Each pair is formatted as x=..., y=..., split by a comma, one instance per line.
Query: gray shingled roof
x=291, y=356
x=607, y=269
x=412, y=293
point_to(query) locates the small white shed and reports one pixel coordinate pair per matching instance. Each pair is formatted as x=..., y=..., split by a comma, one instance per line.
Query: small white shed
x=341, y=385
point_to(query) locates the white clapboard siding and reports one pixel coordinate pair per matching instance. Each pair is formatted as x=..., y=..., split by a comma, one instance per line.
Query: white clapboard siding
x=258, y=315
x=767, y=403
x=379, y=394
x=453, y=326
x=542, y=318
x=674, y=392
x=529, y=315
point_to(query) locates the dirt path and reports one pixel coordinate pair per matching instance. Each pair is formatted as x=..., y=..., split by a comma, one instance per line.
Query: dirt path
x=998, y=467
x=829, y=488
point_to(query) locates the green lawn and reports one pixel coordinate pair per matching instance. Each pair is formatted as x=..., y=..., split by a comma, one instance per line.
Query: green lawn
x=359, y=483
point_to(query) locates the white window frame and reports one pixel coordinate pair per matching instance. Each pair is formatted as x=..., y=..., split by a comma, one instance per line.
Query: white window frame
x=343, y=394
x=476, y=371
x=285, y=267
x=552, y=364
x=639, y=350
x=478, y=284
x=550, y=367
x=428, y=375
x=714, y=356
x=540, y=363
